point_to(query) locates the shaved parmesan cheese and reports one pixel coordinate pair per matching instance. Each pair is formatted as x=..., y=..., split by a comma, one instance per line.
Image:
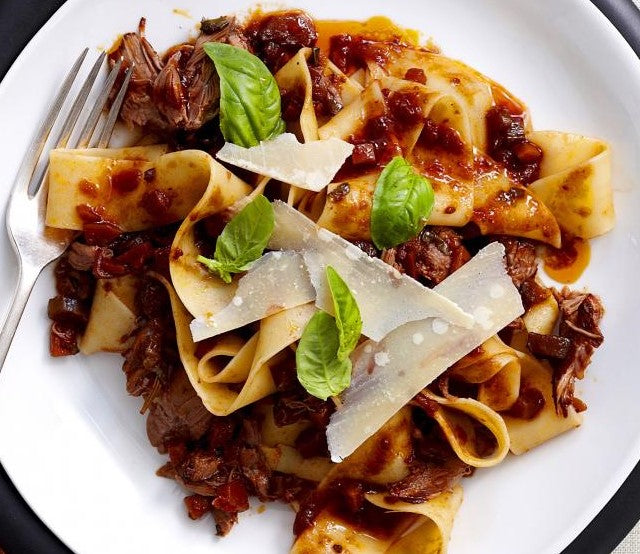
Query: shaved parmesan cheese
x=386, y=298
x=277, y=281
x=386, y=375
x=310, y=166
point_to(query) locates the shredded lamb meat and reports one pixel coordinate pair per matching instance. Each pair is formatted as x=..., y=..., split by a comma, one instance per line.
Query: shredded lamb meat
x=426, y=481
x=520, y=255
x=179, y=93
x=177, y=413
x=430, y=257
x=579, y=322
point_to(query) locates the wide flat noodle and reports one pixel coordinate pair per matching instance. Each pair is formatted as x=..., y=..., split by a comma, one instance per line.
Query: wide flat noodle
x=501, y=206
x=238, y=366
x=224, y=357
x=389, y=373
x=484, y=362
x=91, y=178
x=112, y=317
x=277, y=332
x=277, y=281
x=542, y=316
x=390, y=447
x=287, y=459
x=527, y=434
x=501, y=391
x=575, y=182
x=293, y=78
x=201, y=292
x=400, y=527
x=348, y=121
x=273, y=434
x=466, y=87
x=457, y=418
x=432, y=533
x=386, y=298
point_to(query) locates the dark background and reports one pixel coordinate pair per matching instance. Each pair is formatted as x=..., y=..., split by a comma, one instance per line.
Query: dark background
x=21, y=532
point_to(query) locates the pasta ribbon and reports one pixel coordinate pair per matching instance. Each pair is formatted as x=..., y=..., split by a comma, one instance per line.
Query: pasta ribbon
x=484, y=362
x=115, y=183
x=286, y=459
x=293, y=78
x=471, y=91
x=394, y=527
x=525, y=434
x=496, y=368
x=542, y=317
x=431, y=532
x=575, y=182
x=458, y=417
x=503, y=207
x=112, y=317
x=202, y=293
x=229, y=361
x=277, y=332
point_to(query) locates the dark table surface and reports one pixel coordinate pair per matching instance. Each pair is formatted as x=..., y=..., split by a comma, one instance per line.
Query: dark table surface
x=21, y=532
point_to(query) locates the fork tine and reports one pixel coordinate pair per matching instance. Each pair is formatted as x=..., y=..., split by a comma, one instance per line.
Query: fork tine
x=30, y=160
x=67, y=128
x=90, y=124
x=107, y=130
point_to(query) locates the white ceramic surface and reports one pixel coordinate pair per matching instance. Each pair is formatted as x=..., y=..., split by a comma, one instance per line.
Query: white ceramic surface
x=72, y=440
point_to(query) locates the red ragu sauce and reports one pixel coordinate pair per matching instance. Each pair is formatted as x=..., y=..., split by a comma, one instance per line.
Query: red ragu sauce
x=567, y=263
x=219, y=458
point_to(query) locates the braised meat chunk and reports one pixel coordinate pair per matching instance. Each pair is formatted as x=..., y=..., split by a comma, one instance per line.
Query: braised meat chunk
x=579, y=323
x=177, y=413
x=430, y=257
x=520, y=256
x=180, y=92
x=277, y=37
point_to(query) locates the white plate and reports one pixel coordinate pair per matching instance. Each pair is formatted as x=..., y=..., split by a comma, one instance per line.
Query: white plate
x=71, y=439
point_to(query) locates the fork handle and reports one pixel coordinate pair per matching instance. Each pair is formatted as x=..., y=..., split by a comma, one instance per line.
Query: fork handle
x=26, y=279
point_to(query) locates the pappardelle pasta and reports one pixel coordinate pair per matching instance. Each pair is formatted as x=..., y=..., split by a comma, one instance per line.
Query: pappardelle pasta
x=320, y=265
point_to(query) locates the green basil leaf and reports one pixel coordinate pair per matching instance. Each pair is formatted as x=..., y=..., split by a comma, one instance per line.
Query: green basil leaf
x=402, y=203
x=320, y=371
x=216, y=267
x=347, y=316
x=249, y=96
x=243, y=239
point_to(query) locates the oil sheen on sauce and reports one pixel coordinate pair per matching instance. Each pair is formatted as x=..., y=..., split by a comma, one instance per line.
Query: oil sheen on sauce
x=377, y=27
x=567, y=263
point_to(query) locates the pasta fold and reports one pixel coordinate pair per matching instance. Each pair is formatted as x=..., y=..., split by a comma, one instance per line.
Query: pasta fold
x=219, y=397
x=526, y=434
x=119, y=186
x=202, y=293
x=458, y=418
x=575, y=182
x=386, y=527
x=112, y=317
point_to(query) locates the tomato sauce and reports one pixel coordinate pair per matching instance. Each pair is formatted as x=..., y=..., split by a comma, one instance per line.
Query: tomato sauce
x=567, y=263
x=377, y=27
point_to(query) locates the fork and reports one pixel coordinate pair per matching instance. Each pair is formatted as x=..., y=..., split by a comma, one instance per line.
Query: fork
x=35, y=245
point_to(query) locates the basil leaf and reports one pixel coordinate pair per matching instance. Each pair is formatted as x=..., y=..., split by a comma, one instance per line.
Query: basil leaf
x=320, y=371
x=348, y=320
x=249, y=96
x=243, y=239
x=402, y=203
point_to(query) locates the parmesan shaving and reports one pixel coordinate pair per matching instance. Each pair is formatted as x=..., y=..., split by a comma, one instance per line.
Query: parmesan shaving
x=386, y=298
x=310, y=166
x=418, y=352
x=276, y=282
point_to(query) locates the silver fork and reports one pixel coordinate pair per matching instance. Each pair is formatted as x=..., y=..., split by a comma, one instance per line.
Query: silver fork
x=35, y=245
